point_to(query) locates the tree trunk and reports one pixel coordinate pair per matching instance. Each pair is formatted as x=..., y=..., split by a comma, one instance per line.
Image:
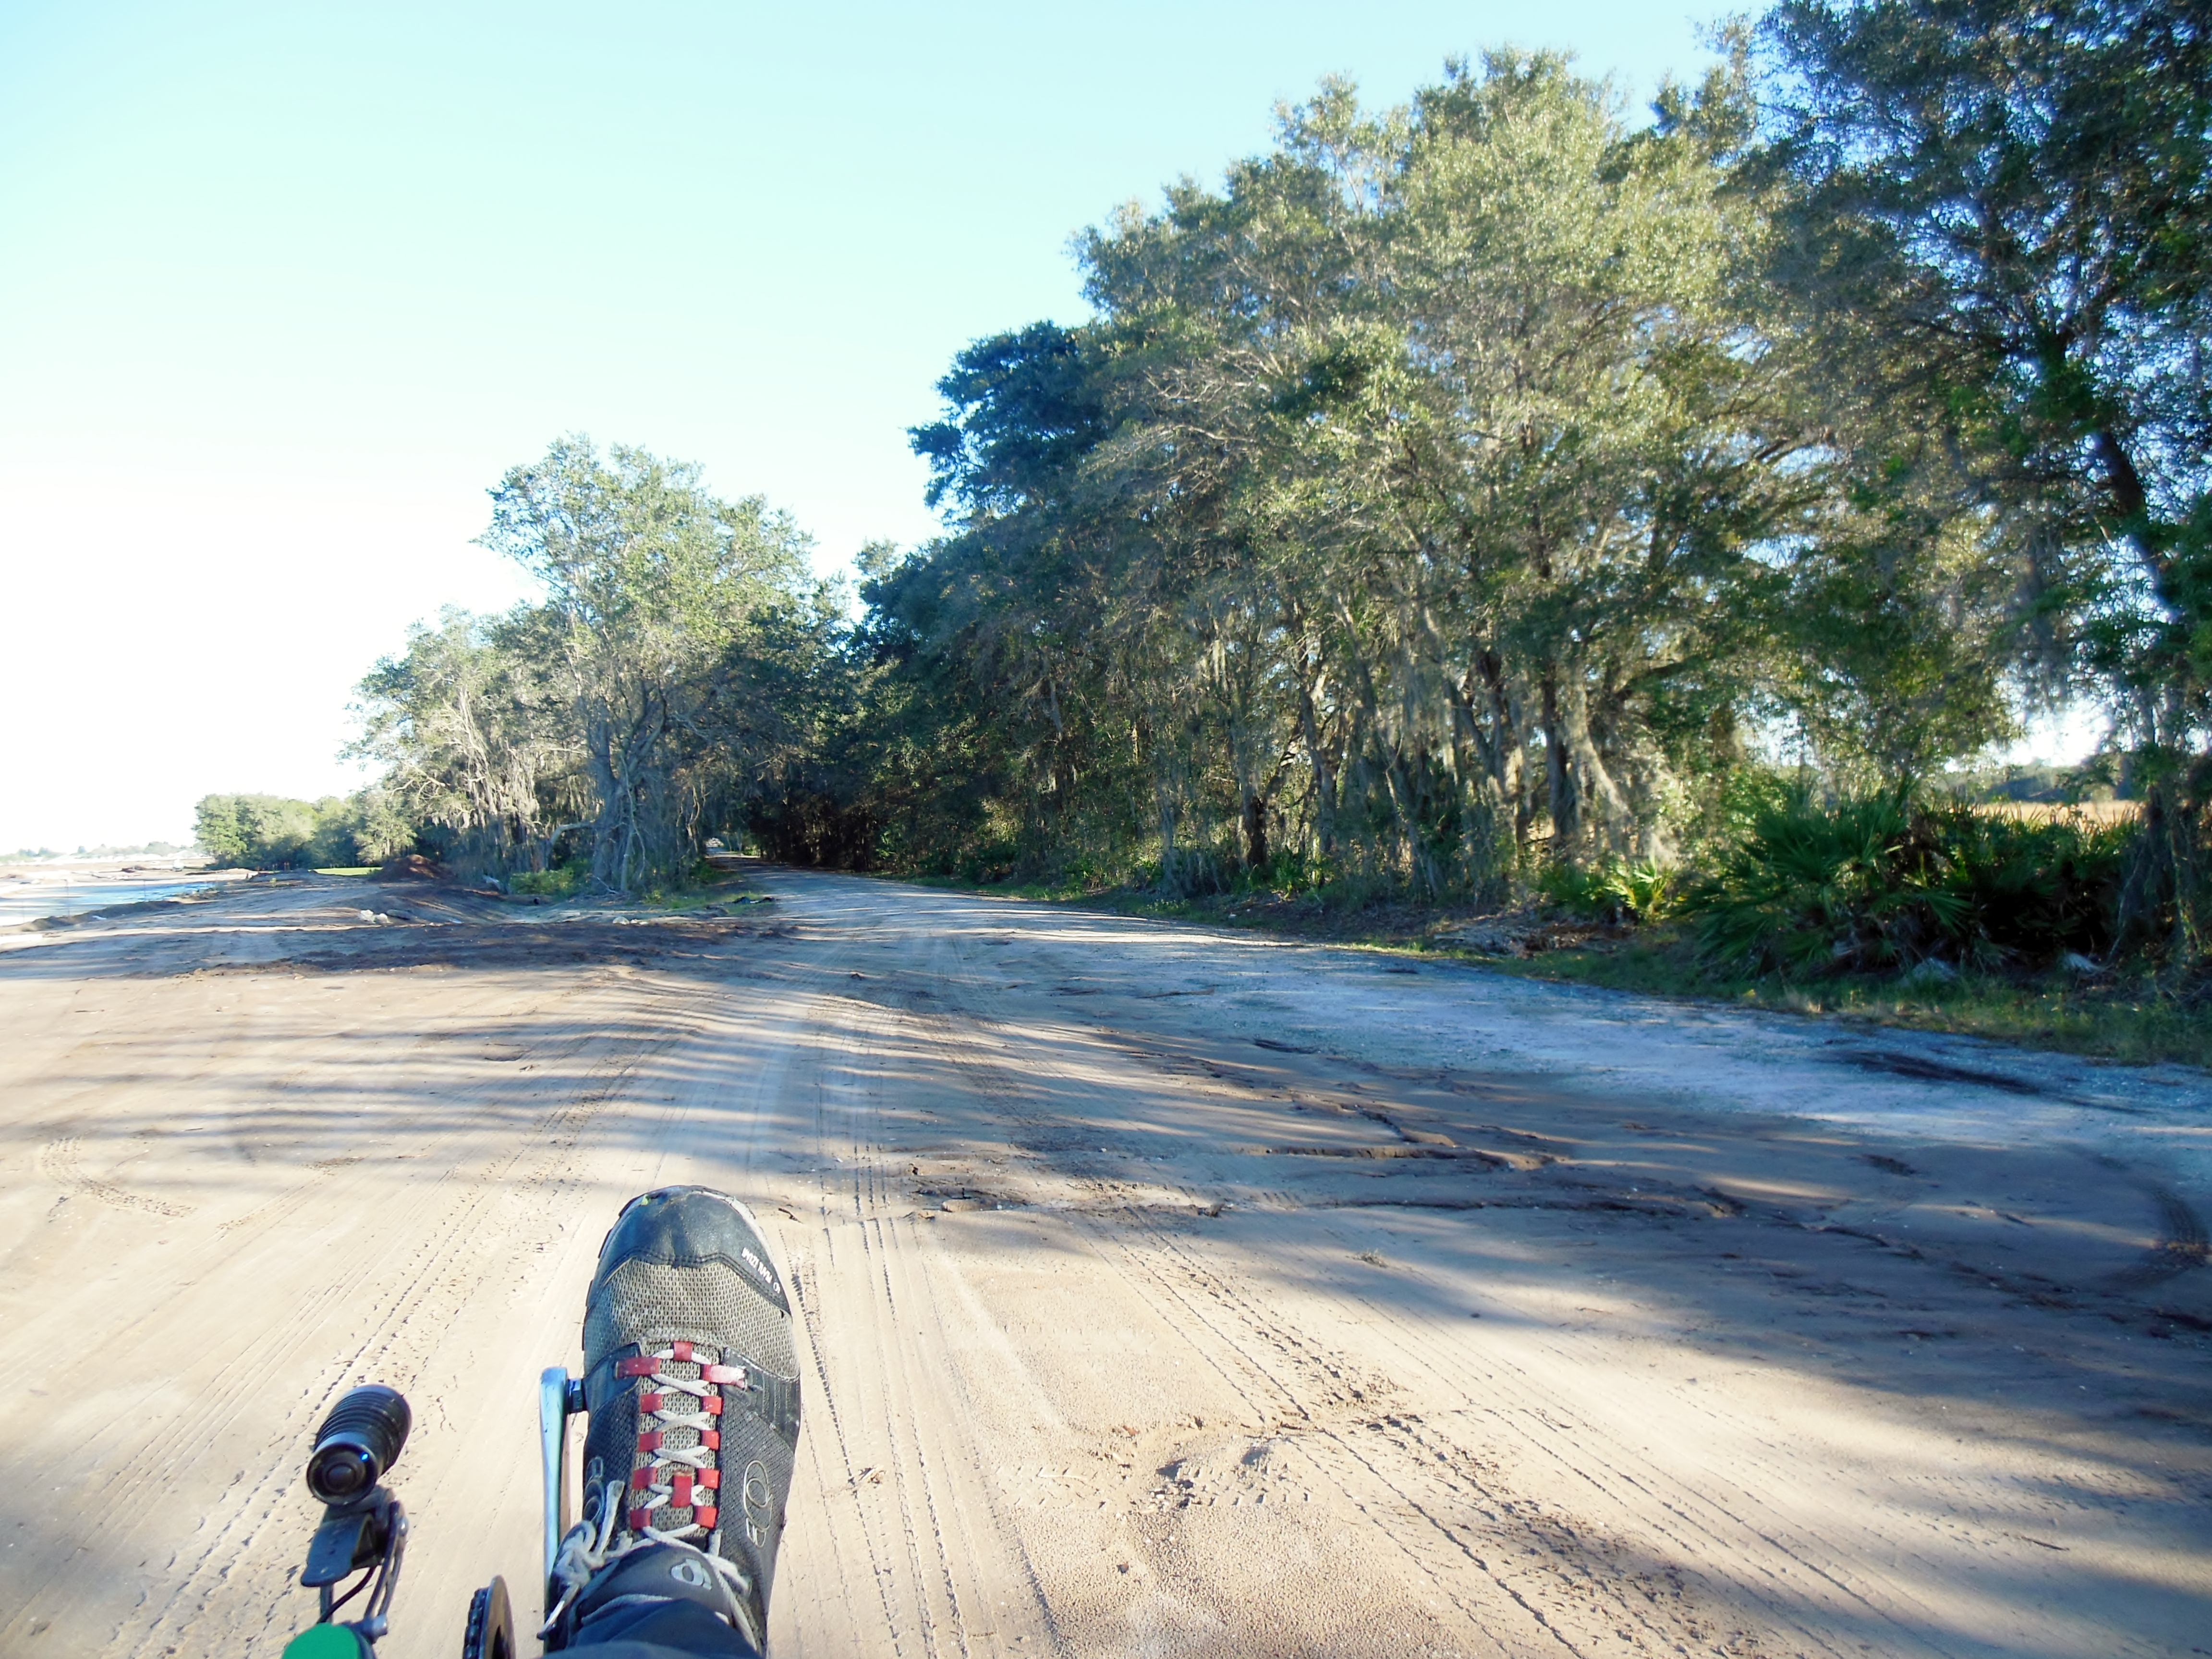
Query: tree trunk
x=1310, y=684
x=1564, y=802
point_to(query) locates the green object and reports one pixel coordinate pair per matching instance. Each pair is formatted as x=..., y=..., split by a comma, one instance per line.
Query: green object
x=326, y=1641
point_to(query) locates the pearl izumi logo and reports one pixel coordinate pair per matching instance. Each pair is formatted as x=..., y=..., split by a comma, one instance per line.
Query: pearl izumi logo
x=760, y=1267
x=690, y=1572
x=760, y=1503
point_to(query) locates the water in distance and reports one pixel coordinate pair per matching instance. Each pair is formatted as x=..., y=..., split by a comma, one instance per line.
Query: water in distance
x=26, y=900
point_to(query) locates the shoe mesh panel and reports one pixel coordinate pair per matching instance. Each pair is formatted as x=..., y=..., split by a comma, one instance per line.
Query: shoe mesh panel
x=651, y=1304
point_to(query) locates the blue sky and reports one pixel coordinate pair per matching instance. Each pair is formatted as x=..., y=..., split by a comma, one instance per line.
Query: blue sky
x=284, y=288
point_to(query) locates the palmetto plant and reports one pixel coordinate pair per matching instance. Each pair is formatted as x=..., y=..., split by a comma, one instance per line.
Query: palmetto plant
x=1880, y=882
x=1617, y=890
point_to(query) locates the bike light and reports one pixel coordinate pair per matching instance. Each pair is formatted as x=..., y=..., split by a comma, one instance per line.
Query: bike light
x=358, y=1444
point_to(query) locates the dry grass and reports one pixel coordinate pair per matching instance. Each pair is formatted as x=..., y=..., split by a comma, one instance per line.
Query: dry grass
x=2090, y=814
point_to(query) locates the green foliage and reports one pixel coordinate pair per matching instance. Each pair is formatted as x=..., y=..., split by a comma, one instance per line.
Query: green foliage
x=2128, y=1017
x=1403, y=504
x=2031, y=891
x=669, y=678
x=1998, y=221
x=1612, y=890
x=2017, y=191
x=473, y=738
x=1478, y=482
x=1879, y=882
x=1456, y=480
x=563, y=883
x=262, y=832
x=272, y=832
x=371, y=827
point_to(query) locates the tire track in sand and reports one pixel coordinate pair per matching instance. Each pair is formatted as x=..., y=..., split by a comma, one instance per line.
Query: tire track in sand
x=468, y=1228
x=902, y=1505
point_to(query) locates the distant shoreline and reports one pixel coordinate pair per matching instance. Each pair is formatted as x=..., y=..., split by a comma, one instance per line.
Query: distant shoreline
x=37, y=892
x=165, y=865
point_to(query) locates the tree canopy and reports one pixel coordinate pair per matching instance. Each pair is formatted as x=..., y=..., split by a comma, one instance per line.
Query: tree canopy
x=1488, y=482
x=1456, y=479
x=643, y=696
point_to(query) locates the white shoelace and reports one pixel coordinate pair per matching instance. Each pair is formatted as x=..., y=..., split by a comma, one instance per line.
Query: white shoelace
x=588, y=1547
x=693, y=1472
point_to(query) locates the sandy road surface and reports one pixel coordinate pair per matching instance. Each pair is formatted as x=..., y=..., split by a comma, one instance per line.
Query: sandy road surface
x=1163, y=1293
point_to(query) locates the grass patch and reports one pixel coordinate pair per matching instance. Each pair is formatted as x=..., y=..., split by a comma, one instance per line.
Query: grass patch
x=719, y=891
x=2137, y=1020
x=705, y=886
x=350, y=869
x=1035, y=891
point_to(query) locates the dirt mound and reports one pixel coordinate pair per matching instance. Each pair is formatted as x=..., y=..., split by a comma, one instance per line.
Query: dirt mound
x=410, y=867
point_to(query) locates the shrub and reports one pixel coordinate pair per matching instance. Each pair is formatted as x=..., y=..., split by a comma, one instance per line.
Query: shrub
x=1872, y=884
x=2032, y=890
x=1613, y=890
x=550, y=884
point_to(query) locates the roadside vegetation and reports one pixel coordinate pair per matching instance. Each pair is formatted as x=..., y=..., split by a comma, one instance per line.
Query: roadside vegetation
x=273, y=832
x=2136, y=1017
x=1496, y=507
x=675, y=673
x=1943, y=916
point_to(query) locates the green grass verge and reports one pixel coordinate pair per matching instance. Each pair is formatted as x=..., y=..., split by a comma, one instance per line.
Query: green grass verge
x=1035, y=891
x=2134, y=1020
x=706, y=886
x=349, y=870
x=709, y=887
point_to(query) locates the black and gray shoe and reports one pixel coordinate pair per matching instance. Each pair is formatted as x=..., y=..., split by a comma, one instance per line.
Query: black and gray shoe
x=691, y=1379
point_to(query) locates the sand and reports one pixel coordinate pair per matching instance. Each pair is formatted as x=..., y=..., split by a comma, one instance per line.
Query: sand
x=1163, y=1291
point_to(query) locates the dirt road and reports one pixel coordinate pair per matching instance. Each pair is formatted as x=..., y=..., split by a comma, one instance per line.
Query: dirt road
x=1163, y=1292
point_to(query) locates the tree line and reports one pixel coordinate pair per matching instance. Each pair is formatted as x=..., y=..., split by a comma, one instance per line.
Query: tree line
x=678, y=667
x=276, y=832
x=1490, y=483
